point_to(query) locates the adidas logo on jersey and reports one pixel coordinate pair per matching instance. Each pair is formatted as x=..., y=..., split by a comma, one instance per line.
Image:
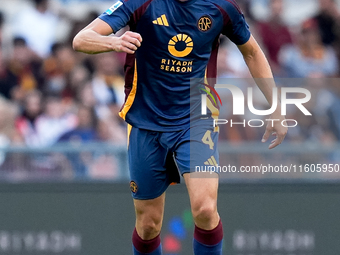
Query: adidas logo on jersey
x=162, y=21
x=211, y=161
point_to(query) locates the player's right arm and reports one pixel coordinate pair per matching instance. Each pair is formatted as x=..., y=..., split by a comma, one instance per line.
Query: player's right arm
x=96, y=38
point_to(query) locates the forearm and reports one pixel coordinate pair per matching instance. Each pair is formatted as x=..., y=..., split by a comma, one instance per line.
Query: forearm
x=95, y=38
x=258, y=67
x=90, y=42
x=261, y=72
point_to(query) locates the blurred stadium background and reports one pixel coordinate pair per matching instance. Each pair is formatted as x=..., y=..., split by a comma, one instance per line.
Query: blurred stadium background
x=63, y=160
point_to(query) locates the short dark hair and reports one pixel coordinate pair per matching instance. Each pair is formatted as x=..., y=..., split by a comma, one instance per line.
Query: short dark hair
x=19, y=41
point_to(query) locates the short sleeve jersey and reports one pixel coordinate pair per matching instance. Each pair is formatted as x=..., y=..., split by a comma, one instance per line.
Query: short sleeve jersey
x=180, y=42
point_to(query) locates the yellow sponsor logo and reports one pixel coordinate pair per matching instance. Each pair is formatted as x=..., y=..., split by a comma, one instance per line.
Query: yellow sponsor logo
x=176, y=41
x=177, y=66
x=179, y=46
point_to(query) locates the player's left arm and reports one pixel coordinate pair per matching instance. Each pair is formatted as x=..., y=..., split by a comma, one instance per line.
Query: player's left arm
x=261, y=72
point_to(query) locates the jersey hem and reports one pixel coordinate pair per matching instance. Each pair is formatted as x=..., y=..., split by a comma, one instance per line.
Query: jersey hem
x=156, y=129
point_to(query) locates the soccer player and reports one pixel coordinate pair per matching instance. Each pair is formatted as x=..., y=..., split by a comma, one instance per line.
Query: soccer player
x=170, y=42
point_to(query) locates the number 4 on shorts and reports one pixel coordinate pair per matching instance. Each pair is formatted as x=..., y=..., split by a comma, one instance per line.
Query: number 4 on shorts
x=207, y=139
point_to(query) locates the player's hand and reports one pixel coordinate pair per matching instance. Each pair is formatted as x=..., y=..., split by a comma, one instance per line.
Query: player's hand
x=276, y=129
x=129, y=42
